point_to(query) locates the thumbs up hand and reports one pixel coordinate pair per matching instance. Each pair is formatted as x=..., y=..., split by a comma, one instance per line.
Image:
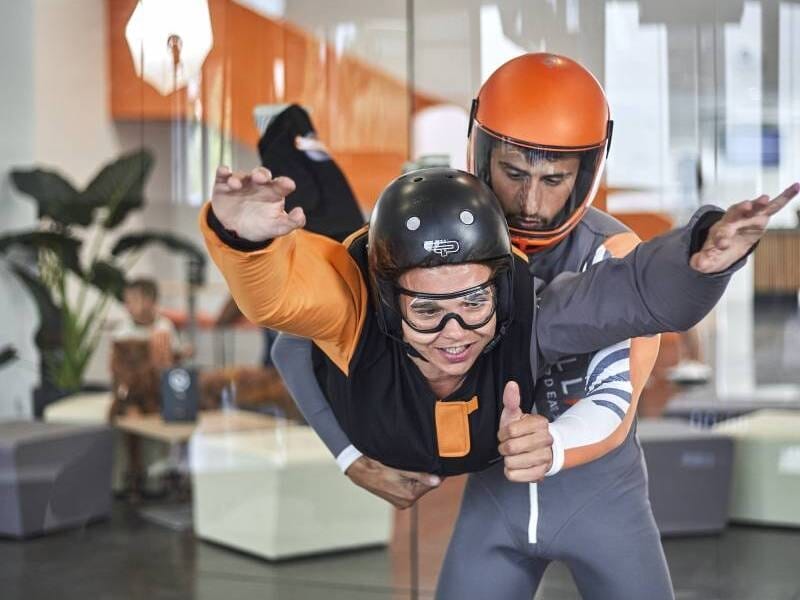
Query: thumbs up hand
x=511, y=410
x=525, y=441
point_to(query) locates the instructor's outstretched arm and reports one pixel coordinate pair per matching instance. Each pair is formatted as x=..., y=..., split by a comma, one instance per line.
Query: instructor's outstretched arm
x=525, y=441
x=667, y=284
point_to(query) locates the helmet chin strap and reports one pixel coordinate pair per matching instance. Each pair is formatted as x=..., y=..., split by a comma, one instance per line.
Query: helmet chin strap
x=398, y=337
x=412, y=352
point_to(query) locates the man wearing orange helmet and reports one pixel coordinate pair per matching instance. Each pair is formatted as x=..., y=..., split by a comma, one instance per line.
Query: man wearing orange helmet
x=544, y=161
x=539, y=136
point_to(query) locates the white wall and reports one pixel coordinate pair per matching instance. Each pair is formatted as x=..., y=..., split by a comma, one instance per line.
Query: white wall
x=18, y=317
x=74, y=131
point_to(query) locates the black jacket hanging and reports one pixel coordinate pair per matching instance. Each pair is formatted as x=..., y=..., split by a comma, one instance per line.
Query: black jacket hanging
x=289, y=146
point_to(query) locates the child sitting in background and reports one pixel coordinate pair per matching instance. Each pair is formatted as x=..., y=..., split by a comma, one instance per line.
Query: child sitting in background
x=143, y=345
x=144, y=322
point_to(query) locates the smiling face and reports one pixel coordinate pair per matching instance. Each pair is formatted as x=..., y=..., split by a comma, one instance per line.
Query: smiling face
x=451, y=352
x=532, y=192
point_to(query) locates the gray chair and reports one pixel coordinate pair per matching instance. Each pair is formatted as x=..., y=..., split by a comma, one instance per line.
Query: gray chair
x=53, y=476
x=689, y=476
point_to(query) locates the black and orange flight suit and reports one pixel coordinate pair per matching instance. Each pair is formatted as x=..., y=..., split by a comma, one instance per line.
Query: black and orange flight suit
x=314, y=287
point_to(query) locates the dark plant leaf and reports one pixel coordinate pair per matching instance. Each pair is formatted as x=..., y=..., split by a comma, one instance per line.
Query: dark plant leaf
x=119, y=186
x=176, y=243
x=49, y=335
x=107, y=278
x=63, y=244
x=55, y=197
x=7, y=354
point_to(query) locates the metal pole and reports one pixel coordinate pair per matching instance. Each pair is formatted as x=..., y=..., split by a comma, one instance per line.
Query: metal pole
x=413, y=543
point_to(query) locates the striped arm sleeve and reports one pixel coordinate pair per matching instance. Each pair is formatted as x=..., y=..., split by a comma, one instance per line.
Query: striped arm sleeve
x=602, y=410
x=616, y=375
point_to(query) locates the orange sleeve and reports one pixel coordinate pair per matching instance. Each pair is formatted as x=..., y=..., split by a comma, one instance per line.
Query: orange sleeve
x=643, y=354
x=301, y=283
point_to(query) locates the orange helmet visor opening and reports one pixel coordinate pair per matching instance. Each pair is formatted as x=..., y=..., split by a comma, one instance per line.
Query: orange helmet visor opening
x=544, y=191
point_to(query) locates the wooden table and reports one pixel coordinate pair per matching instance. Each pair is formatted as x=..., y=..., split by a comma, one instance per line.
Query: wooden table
x=210, y=421
x=178, y=515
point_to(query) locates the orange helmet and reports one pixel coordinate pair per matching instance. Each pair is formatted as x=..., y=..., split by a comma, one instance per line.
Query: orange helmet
x=539, y=134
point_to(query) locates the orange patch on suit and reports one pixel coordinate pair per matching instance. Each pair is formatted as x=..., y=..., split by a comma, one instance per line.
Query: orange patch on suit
x=452, y=427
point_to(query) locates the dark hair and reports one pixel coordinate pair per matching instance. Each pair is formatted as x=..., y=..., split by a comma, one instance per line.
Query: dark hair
x=145, y=286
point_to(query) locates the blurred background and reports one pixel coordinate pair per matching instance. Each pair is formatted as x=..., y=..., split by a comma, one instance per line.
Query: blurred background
x=99, y=110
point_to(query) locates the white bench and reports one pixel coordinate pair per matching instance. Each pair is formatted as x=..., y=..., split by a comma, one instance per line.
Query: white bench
x=766, y=467
x=278, y=493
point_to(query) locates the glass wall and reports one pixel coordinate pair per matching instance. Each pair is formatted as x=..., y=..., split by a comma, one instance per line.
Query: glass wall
x=705, y=97
x=704, y=101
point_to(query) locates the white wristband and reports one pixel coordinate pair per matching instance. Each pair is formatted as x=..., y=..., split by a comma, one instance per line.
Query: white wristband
x=347, y=457
x=558, y=451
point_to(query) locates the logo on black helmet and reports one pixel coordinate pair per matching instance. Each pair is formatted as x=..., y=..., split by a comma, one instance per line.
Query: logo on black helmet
x=442, y=247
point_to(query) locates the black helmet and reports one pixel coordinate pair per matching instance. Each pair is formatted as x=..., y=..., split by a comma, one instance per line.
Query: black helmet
x=434, y=217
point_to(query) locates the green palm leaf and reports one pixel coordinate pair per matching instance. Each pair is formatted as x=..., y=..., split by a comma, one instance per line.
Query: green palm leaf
x=119, y=186
x=139, y=241
x=107, y=278
x=62, y=244
x=55, y=197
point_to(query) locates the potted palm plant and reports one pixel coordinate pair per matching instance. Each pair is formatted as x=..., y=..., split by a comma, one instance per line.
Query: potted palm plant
x=71, y=273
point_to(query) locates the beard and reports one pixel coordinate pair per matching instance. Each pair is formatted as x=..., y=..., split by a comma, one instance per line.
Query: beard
x=528, y=222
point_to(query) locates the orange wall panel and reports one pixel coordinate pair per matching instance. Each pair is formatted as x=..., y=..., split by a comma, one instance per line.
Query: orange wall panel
x=306, y=76
x=130, y=97
x=646, y=225
x=369, y=172
x=360, y=112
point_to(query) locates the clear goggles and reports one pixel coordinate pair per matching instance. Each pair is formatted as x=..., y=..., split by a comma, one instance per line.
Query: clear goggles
x=429, y=313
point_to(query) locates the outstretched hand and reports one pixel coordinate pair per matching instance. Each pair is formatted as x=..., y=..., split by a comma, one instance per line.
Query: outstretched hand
x=525, y=441
x=743, y=224
x=252, y=204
